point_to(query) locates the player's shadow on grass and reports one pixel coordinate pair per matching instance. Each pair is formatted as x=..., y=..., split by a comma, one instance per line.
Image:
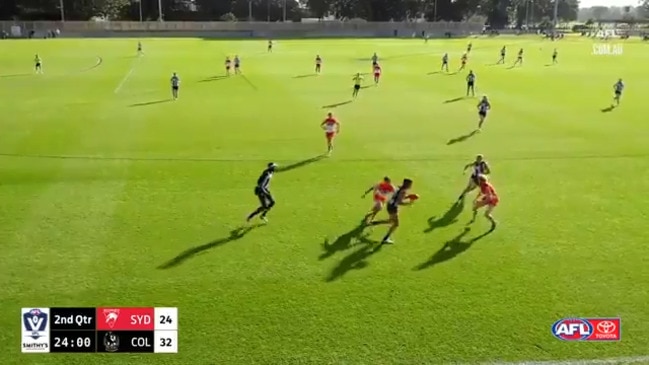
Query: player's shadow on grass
x=608, y=109
x=434, y=73
x=235, y=235
x=150, y=103
x=454, y=100
x=304, y=76
x=461, y=138
x=302, y=163
x=335, y=105
x=449, y=217
x=356, y=260
x=342, y=242
x=451, y=249
x=214, y=78
x=14, y=75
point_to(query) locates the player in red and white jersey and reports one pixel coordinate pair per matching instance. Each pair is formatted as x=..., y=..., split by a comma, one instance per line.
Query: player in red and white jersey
x=377, y=73
x=486, y=198
x=331, y=127
x=382, y=192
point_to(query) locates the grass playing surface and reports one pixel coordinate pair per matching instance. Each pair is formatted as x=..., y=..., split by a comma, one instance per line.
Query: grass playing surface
x=112, y=195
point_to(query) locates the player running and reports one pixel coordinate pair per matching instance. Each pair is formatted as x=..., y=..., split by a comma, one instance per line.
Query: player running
x=228, y=65
x=519, y=58
x=38, y=64
x=486, y=198
x=140, y=52
x=483, y=107
x=618, y=87
x=375, y=60
x=318, y=64
x=331, y=127
x=270, y=45
x=445, y=62
x=377, y=74
x=237, y=65
x=175, y=85
x=382, y=192
x=470, y=83
x=464, y=59
x=358, y=80
x=479, y=167
x=503, y=52
x=263, y=193
x=555, y=54
x=399, y=198
x=469, y=47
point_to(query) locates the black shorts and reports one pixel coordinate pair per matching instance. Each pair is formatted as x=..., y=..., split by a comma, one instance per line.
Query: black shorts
x=357, y=87
x=475, y=180
x=618, y=93
x=392, y=209
x=236, y=66
x=38, y=65
x=469, y=84
x=174, y=88
x=265, y=199
x=374, y=63
x=482, y=114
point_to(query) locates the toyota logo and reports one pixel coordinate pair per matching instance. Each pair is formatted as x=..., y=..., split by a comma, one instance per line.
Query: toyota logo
x=606, y=327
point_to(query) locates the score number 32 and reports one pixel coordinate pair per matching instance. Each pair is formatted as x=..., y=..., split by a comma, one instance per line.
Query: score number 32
x=165, y=342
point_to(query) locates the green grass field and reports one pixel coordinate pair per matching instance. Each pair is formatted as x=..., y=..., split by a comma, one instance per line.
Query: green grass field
x=103, y=182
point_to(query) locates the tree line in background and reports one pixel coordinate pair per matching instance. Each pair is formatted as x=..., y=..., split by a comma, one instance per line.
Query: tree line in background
x=497, y=13
x=623, y=13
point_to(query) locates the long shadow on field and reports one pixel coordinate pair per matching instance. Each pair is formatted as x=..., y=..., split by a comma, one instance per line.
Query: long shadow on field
x=608, y=109
x=461, y=138
x=214, y=78
x=299, y=164
x=451, y=249
x=343, y=242
x=304, y=76
x=447, y=219
x=330, y=106
x=14, y=75
x=235, y=235
x=434, y=73
x=150, y=103
x=356, y=260
x=453, y=100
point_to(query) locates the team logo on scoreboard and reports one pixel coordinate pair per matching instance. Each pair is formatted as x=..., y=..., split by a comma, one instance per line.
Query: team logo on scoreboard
x=111, y=342
x=35, y=329
x=111, y=316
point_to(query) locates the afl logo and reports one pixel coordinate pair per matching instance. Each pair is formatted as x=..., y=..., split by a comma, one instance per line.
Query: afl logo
x=572, y=329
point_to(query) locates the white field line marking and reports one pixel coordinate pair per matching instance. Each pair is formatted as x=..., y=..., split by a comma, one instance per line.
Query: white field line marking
x=127, y=76
x=611, y=361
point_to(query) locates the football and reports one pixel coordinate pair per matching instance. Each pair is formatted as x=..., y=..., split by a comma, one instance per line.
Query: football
x=413, y=197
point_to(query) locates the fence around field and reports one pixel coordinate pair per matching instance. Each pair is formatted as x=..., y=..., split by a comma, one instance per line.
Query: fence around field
x=243, y=29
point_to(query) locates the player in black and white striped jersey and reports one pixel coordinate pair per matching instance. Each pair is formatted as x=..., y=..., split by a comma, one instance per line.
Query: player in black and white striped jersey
x=263, y=193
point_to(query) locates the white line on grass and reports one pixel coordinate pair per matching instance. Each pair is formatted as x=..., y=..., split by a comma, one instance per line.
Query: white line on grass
x=612, y=361
x=127, y=76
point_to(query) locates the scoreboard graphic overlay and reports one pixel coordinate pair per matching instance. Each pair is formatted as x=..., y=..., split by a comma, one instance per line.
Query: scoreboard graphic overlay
x=104, y=329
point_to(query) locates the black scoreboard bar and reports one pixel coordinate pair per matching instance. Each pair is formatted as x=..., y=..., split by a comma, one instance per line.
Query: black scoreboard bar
x=105, y=330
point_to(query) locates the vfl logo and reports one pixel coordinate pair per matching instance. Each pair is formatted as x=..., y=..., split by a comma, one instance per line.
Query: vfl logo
x=35, y=322
x=111, y=342
x=111, y=316
x=587, y=329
